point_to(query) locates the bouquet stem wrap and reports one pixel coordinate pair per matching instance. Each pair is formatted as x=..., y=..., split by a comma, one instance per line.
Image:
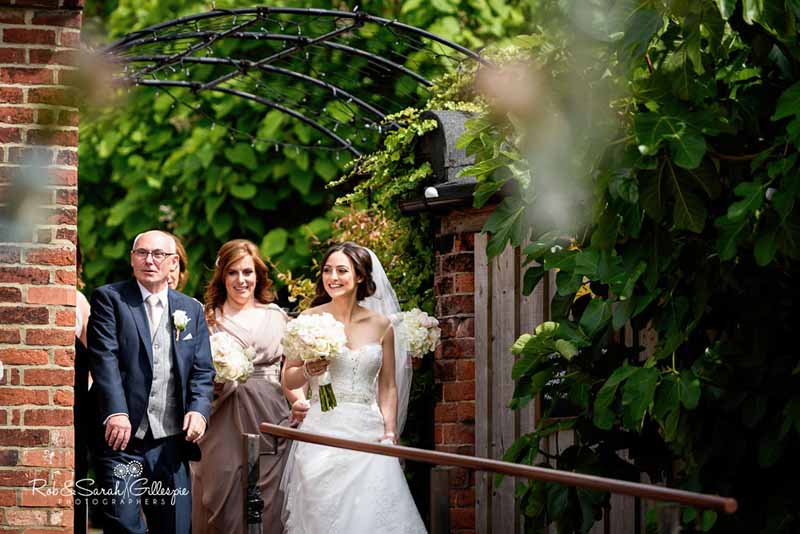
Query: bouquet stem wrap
x=327, y=400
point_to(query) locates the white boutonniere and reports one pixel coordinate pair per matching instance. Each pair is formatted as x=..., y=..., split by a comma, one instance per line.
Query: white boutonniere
x=181, y=321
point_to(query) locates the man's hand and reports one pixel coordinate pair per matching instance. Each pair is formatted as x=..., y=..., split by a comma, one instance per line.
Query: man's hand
x=118, y=432
x=194, y=425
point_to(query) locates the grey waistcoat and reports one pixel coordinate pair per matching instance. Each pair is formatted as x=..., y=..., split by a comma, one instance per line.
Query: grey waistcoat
x=162, y=418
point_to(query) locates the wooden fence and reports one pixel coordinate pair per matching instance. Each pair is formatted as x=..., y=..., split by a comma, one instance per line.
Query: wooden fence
x=502, y=314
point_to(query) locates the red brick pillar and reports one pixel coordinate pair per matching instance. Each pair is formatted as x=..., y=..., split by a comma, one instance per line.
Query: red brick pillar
x=454, y=372
x=38, y=125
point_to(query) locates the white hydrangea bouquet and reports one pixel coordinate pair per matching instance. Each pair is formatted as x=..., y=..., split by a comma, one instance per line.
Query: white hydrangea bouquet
x=232, y=362
x=315, y=337
x=421, y=331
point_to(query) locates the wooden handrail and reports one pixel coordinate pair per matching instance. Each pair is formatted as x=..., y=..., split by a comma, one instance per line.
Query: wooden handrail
x=636, y=489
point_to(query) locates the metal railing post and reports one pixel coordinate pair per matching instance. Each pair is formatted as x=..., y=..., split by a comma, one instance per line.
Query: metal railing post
x=253, y=503
x=440, y=500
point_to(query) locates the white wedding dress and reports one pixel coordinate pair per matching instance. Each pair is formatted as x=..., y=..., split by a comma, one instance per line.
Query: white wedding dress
x=338, y=491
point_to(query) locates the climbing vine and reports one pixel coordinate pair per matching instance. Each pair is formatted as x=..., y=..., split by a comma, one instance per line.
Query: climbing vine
x=685, y=166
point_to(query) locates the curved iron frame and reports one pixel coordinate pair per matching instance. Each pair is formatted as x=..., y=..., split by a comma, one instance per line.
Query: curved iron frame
x=298, y=42
x=288, y=38
x=195, y=86
x=244, y=64
x=362, y=16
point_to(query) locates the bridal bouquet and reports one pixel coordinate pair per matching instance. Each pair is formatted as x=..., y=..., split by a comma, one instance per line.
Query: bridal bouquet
x=232, y=362
x=421, y=330
x=312, y=338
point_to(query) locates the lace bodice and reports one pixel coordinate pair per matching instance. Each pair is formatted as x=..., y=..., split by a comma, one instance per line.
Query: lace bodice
x=354, y=374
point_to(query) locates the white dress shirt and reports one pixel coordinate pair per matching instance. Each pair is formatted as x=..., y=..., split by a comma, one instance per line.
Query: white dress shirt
x=159, y=309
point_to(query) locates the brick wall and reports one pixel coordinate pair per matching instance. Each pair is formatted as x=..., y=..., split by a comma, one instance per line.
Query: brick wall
x=38, y=124
x=454, y=372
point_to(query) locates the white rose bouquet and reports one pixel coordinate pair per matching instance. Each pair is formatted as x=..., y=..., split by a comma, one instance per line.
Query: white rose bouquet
x=421, y=330
x=232, y=362
x=312, y=338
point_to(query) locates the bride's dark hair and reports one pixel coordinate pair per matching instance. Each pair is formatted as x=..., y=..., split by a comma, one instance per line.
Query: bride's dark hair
x=362, y=264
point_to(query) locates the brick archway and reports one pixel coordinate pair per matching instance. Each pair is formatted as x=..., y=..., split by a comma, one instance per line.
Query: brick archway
x=38, y=121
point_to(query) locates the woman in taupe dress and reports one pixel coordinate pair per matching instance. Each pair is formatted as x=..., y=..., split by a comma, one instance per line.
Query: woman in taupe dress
x=238, y=302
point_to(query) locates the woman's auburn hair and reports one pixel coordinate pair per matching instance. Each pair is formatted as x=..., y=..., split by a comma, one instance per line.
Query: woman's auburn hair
x=362, y=264
x=230, y=253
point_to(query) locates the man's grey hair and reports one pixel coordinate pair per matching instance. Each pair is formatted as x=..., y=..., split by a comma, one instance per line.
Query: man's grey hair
x=174, y=247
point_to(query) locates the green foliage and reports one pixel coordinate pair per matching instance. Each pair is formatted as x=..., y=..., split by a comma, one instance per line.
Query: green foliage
x=692, y=235
x=156, y=164
x=392, y=171
x=149, y=162
x=391, y=174
x=403, y=245
x=472, y=24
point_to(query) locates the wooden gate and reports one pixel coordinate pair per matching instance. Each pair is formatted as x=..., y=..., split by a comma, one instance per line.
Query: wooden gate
x=502, y=314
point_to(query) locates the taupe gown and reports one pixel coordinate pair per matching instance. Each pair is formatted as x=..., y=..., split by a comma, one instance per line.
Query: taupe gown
x=217, y=497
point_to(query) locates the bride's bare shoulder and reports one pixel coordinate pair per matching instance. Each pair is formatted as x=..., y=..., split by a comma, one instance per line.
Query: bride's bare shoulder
x=376, y=319
x=316, y=310
x=382, y=321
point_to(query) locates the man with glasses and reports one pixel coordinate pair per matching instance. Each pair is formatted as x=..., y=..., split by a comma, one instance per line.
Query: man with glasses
x=150, y=358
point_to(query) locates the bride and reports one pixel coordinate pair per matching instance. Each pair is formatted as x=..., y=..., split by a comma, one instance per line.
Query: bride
x=331, y=490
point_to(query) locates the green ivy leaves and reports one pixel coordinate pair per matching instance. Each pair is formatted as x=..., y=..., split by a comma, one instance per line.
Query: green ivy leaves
x=507, y=225
x=243, y=191
x=595, y=317
x=726, y=7
x=686, y=143
x=274, y=242
x=788, y=103
x=637, y=395
x=734, y=224
x=646, y=390
x=534, y=368
x=752, y=197
x=242, y=154
x=694, y=143
x=604, y=415
x=640, y=25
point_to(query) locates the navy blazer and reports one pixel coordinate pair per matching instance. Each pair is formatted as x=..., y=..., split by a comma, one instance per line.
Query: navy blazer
x=121, y=353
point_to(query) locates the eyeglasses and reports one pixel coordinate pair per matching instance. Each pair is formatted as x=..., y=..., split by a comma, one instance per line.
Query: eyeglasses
x=158, y=254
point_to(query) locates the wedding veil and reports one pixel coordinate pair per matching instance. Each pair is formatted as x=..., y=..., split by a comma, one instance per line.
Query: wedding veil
x=384, y=301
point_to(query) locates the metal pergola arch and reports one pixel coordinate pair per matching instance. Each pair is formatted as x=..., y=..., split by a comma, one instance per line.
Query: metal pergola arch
x=168, y=56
